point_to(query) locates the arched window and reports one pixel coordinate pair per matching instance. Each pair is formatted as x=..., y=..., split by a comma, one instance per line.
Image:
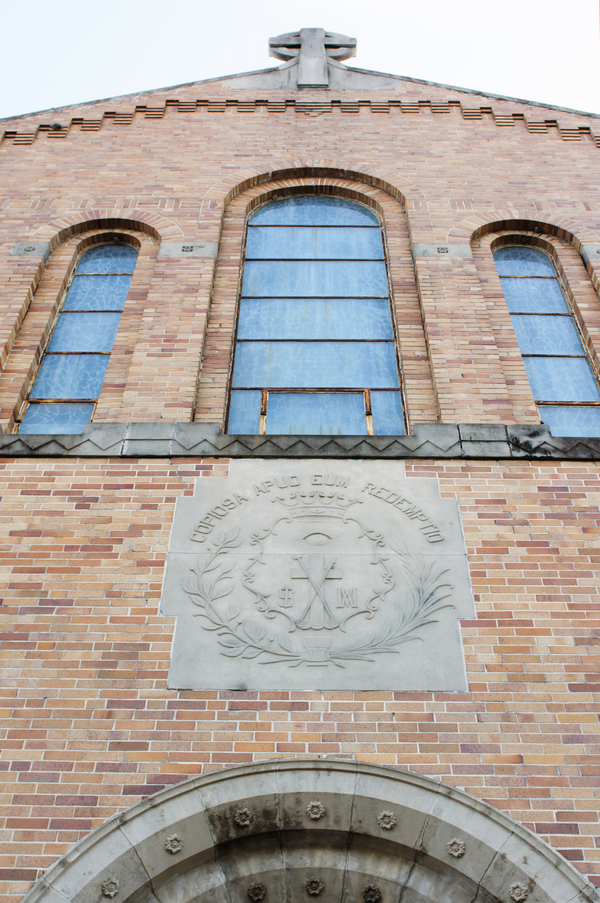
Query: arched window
x=315, y=350
x=562, y=379
x=64, y=394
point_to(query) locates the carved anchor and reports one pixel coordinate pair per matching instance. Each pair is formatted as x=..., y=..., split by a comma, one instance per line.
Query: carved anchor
x=327, y=572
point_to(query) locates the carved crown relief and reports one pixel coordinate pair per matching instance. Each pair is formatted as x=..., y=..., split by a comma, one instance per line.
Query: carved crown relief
x=313, y=579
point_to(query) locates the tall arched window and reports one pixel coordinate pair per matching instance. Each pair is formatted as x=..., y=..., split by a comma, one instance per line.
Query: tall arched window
x=65, y=391
x=315, y=350
x=561, y=376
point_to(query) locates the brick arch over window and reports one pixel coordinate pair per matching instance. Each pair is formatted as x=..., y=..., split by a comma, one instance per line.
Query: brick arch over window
x=563, y=247
x=59, y=230
x=215, y=373
x=576, y=232
x=281, y=831
x=39, y=314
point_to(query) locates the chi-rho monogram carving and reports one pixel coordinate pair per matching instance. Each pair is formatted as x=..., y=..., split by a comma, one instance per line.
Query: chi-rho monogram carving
x=344, y=575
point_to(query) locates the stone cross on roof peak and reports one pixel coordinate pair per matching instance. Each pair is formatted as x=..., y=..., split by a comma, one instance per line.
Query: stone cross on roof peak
x=311, y=49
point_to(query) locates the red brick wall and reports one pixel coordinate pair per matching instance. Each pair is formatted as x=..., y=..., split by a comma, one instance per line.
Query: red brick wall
x=91, y=728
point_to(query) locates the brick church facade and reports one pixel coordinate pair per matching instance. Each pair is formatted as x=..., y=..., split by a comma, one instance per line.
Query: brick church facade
x=92, y=722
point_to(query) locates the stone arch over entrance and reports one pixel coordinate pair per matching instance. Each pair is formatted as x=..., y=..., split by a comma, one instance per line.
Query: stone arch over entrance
x=297, y=829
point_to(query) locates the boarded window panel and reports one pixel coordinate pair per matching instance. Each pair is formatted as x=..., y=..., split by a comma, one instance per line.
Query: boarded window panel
x=56, y=418
x=516, y=260
x=547, y=335
x=314, y=211
x=572, y=420
x=388, y=418
x=97, y=293
x=70, y=376
x=561, y=379
x=84, y=332
x=535, y=296
x=319, y=318
x=317, y=365
x=316, y=243
x=315, y=279
x=316, y=414
x=108, y=259
x=244, y=412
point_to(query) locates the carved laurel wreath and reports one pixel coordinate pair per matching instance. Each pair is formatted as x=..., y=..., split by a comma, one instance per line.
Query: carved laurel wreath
x=426, y=592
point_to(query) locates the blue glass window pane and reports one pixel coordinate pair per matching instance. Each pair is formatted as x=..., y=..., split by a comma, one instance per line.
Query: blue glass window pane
x=84, y=332
x=540, y=296
x=318, y=414
x=56, y=418
x=571, y=421
x=318, y=318
x=561, y=379
x=70, y=376
x=314, y=211
x=290, y=242
x=547, y=335
x=108, y=259
x=97, y=293
x=315, y=279
x=519, y=261
x=388, y=418
x=315, y=365
x=244, y=413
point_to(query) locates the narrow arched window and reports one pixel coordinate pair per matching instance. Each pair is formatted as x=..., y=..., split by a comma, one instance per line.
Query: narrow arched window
x=65, y=391
x=315, y=350
x=562, y=379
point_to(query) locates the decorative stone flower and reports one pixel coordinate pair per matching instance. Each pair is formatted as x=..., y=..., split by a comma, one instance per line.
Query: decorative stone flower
x=519, y=892
x=110, y=888
x=256, y=892
x=387, y=820
x=314, y=886
x=371, y=894
x=174, y=844
x=456, y=848
x=243, y=818
x=315, y=810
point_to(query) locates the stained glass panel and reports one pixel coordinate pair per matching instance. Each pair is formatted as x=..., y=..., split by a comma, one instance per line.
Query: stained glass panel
x=315, y=365
x=561, y=379
x=388, y=418
x=539, y=296
x=318, y=318
x=316, y=414
x=97, y=293
x=547, y=335
x=571, y=420
x=56, y=418
x=289, y=242
x=244, y=413
x=523, y=261
x=70, y=376
x=315, y=279
x=84, y=332
x=314, y=211
x=108, y=259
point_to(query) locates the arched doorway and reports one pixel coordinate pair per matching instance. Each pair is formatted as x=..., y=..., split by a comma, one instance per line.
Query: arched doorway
x=298, y=830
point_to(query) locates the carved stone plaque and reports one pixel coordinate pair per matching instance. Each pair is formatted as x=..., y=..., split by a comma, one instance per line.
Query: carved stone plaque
x=317, y=575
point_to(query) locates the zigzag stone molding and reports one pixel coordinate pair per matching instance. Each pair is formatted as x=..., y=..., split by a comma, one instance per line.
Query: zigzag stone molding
x=429, y=440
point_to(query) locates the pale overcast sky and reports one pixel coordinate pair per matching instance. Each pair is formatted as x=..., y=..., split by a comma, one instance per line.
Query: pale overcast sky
x=69, y=51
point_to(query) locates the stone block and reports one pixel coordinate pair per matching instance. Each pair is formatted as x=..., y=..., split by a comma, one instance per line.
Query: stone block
x=482, y=432
x=32, y=249
x=188, y=249
x=423, y=249
x=306, y=575
x=486, y=449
